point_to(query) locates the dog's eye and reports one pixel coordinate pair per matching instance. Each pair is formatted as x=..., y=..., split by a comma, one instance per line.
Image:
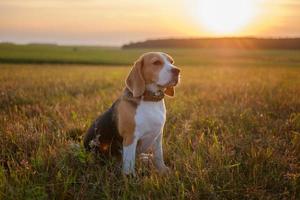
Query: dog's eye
x=158, y=62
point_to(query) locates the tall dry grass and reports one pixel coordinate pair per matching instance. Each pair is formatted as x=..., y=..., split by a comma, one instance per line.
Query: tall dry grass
x=231, y=133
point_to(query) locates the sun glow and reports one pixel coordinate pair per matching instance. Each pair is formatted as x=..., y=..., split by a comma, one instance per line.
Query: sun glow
x=225, y=16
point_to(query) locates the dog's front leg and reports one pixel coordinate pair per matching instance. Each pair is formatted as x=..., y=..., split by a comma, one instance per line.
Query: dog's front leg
x=129, y=157
x=158, y=155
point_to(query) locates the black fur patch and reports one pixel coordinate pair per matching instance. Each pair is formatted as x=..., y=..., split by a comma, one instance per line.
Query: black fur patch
x=103, y=136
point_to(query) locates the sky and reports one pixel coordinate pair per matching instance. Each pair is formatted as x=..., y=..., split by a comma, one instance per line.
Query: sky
x=115, y=22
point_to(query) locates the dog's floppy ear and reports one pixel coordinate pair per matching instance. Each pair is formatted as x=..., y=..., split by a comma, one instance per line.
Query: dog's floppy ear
x=170, y=91
x=135, y=81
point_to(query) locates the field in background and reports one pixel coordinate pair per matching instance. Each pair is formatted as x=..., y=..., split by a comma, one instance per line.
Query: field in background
x=232, y=131
x=52, y=54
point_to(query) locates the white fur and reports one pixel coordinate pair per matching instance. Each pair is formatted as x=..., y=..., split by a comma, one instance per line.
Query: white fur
x=165, y=74
x=152, y=87
x=149, y=119
x=158, y=154
x=129, y=158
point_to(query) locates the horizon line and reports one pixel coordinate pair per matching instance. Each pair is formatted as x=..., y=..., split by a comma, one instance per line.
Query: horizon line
x=140, y=41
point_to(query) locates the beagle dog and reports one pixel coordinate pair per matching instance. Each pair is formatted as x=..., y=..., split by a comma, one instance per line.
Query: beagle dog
x=134, y=123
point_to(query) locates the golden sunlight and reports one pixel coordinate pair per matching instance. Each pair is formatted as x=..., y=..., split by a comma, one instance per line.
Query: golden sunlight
x=225, y=16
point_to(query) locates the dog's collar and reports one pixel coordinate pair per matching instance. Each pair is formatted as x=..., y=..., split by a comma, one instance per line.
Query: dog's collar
x=148, y=95
x=153, y=96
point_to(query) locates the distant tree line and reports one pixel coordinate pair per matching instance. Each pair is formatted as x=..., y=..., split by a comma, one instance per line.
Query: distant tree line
x=228, y=42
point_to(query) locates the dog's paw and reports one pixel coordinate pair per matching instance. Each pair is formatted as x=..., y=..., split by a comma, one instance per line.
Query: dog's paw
x=164, y=170
x=129, y=173
x=129, y=176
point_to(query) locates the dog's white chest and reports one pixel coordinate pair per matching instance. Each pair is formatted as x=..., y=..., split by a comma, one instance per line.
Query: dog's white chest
x=150, y=118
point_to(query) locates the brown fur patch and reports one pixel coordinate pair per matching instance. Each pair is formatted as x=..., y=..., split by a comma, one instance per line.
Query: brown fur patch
x=104, y=147
x=153, y=63
x=126, y=124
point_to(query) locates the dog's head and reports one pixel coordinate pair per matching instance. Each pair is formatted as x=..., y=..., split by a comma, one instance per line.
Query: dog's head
x=153, y=68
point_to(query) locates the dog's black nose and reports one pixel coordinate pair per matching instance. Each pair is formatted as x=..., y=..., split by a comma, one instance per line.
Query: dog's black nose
x=175, y=71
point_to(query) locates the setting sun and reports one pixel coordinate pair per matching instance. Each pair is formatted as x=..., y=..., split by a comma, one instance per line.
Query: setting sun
x=228, y=16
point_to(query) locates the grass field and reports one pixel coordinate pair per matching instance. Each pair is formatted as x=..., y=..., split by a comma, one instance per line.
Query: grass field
x=53, y=54
x=232, y=131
